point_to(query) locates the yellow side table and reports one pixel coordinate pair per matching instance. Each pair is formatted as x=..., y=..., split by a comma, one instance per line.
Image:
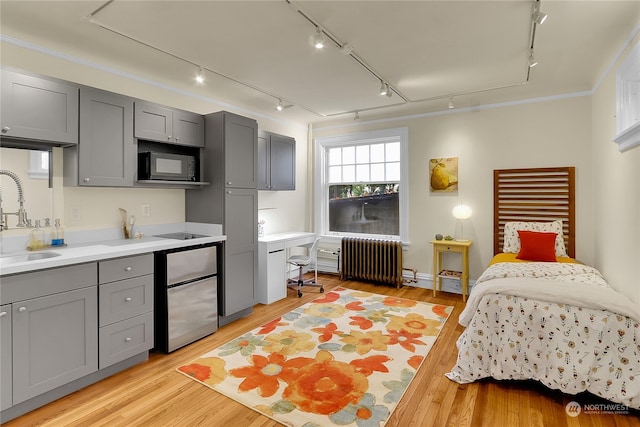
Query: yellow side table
x=462, y=247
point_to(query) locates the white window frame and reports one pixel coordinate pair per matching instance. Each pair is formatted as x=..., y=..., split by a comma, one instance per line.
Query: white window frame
x=36, y=171
x=322, y=144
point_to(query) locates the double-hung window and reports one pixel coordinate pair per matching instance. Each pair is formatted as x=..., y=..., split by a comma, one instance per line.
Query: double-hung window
x=361, y=184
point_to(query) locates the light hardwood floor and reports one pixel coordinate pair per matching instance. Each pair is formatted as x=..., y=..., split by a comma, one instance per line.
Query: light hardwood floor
x=154, y=394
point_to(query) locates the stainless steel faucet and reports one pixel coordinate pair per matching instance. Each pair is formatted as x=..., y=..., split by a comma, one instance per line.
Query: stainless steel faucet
x=22, y=213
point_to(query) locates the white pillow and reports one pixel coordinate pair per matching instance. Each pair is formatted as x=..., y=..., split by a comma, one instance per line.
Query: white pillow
x=512, y=240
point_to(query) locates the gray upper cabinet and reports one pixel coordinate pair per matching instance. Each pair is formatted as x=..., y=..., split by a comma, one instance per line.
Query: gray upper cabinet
x=35, y=108
x=240, y=152
x=276, y=162
x=155, y=122
x=106, y=154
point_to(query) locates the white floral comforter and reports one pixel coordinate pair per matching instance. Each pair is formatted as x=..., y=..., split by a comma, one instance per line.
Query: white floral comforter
x=560, y=324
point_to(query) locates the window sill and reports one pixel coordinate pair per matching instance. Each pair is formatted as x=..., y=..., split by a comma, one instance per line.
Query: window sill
x=628, y=138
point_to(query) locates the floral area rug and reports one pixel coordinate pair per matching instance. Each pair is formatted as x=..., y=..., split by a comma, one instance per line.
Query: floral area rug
x=344, y=359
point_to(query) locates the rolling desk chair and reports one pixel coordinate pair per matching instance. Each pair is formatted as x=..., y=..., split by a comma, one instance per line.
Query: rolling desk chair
x=301, y=261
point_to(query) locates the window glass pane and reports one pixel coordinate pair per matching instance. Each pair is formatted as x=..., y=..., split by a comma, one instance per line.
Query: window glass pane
x=362, y=154
x=335, y=174
x=393, y=171
x=335, y=156
x=393, y=152
x=348, y=173
x=362, y=173
x=348, y=155
x=377, y=153
x=377, y=172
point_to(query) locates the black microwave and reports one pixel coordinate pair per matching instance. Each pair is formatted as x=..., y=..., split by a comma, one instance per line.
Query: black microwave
x=166, y=167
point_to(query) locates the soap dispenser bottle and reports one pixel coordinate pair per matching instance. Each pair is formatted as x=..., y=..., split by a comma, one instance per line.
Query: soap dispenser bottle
x=57, y=236
x=36, y=238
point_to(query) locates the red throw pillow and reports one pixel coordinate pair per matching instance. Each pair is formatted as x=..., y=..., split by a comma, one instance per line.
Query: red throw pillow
x=537, y=246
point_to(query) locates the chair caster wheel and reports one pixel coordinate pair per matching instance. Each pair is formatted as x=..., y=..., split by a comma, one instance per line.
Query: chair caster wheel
x=299, y=294
x=321, y=290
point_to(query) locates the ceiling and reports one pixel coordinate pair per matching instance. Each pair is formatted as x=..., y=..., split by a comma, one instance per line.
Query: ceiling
x=257, y=52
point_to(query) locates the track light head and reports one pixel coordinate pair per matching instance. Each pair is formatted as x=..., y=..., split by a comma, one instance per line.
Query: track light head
x=346, y=49
x=356, y=117
x=451, y=105
x=318, y=39
x=383, y=88
x=538, y=16
x=532, y=60
x=200, y=76
x=279, y=107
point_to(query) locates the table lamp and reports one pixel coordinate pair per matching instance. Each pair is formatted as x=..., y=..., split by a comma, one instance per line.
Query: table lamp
x=462, y=212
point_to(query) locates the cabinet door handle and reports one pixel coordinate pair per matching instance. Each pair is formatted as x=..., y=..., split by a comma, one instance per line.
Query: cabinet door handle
x=228, y=182
x=127, y=269
x=229, y=192
x=2, y=314
x=177, y=138
x=168, y=137
x=127, y=339
x=85, y=179
x=6, y=129
x=128, y=299
x=22, y=309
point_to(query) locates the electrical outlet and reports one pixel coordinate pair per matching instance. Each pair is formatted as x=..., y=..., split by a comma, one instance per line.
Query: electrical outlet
x=76, y=213
x=146, y=210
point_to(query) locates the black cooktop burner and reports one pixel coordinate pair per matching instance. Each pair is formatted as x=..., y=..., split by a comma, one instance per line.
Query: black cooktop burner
x=181, y=236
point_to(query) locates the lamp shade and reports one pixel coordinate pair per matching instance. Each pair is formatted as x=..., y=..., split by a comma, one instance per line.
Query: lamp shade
x=461, y=211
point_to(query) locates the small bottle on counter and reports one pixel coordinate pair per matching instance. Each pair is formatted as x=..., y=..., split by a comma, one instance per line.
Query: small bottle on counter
x=57, y=236
x=36, y=237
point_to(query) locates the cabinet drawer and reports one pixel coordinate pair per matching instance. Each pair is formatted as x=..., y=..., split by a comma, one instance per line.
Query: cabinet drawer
x=126, y=298
x=125, y=339
x=23, y=286
x=125, y=268
x=452, y=248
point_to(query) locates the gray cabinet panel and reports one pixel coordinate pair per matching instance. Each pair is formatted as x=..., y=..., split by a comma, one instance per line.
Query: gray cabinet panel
x=153, y=122
x=125, y=268
x=39, y=109
x=241, y=257
x=276, y=162
x=240, y=152
x=55, y=341
x=106, y=154
x=124, y=339
x=126, y=298
x=188, y=128
x=6, y=385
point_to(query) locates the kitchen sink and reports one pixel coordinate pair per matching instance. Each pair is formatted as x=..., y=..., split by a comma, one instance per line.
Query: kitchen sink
x=27, y=257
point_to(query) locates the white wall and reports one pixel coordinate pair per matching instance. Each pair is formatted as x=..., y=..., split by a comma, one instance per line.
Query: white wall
x=616, y=188
x=554, y=132
x=98, y=207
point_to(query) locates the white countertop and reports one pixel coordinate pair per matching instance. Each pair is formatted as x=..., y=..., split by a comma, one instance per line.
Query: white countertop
x=96, y=251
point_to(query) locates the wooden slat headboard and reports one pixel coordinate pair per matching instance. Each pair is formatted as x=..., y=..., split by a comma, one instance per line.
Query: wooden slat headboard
x=539, y=194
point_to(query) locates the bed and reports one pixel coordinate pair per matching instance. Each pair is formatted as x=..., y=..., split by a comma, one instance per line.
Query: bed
x=537, y=313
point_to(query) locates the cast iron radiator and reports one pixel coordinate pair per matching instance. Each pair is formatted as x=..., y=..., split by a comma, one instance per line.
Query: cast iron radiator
x=371, y=259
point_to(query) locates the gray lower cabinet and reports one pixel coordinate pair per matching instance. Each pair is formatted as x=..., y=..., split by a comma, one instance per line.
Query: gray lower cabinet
x=276, y=162
x=54, y=338
x=241, y=256
x=155, y=122
x=35, y=108
x=54, y=341
x=6, y=357
x=106, y=154
x=126, y=308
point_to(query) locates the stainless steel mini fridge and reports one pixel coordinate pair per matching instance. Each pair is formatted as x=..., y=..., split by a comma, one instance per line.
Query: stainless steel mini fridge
x=186, y=295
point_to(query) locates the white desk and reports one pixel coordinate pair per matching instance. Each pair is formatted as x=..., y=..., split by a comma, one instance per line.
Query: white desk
x=273, y=252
